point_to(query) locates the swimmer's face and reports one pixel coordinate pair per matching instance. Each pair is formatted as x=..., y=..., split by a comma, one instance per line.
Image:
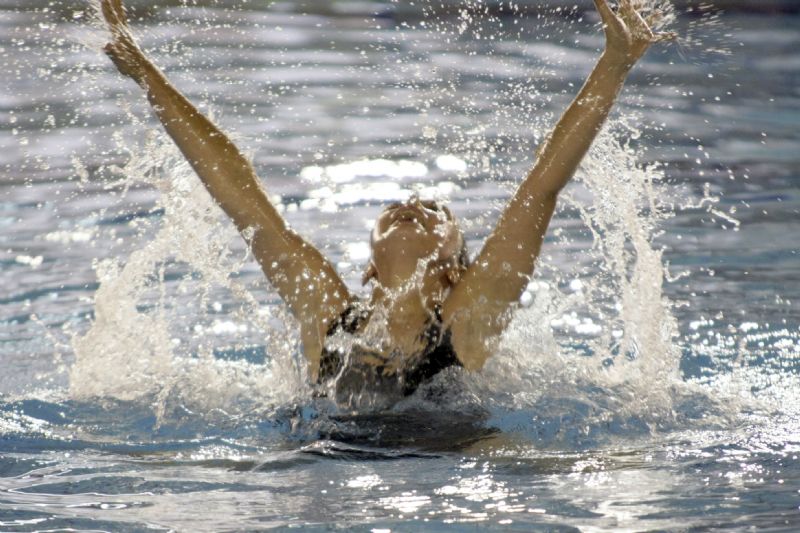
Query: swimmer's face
x=413, y=230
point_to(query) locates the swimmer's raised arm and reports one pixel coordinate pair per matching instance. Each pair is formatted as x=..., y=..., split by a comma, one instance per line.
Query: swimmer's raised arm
x=305, y=280
x=477, y=308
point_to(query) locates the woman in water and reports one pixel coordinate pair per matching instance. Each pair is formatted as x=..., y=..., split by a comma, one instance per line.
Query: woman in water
x=433, y=310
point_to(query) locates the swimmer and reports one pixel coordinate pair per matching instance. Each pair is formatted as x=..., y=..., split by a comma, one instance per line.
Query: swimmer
x=436, y=309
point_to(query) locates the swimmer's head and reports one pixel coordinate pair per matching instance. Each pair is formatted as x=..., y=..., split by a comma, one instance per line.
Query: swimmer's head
x=406, y=232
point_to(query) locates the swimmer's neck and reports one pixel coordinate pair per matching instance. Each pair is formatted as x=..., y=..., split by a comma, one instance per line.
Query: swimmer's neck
x=408, y=313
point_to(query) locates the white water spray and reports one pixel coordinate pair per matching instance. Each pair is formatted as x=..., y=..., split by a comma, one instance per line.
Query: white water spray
x=619, y=329
x=135, y=348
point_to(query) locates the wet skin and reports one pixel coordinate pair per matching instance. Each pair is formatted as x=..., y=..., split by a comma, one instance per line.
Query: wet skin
x=408, y=232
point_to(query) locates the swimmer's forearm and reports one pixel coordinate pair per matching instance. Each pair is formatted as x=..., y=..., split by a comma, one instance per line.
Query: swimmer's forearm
x=519, y=234
x=563, y=150
x=628, y=36
x=305, y=280
x=225, y=172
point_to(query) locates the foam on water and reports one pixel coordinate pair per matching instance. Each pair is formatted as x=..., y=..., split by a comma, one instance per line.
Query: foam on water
x=137, y=348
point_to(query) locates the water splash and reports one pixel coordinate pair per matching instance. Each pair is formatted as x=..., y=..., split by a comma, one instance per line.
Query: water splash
x=602, y=347
x=138, y=347
x=605, y=340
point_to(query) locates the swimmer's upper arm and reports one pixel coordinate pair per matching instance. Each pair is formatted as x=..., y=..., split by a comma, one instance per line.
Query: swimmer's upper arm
x=478, y=307
x=303, y=278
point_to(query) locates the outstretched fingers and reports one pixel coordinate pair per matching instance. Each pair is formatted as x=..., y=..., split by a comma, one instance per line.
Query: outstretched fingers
x=611, y=20
x=630, y=11
x=604, y=9
x=108, y=13
x=665, y=36
x=628, y=29
x=123, y=50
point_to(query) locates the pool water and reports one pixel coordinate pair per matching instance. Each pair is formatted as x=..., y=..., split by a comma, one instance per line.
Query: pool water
x=151, y=380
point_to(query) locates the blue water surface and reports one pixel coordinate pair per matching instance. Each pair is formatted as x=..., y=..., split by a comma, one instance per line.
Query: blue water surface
x=343, y=107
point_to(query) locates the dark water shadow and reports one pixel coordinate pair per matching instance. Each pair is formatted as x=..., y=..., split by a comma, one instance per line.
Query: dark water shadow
x=290, y=435
x=430, y=431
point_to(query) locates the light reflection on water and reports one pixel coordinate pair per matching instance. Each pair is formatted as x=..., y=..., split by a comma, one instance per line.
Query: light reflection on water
x=336, y=130
x=649, y=487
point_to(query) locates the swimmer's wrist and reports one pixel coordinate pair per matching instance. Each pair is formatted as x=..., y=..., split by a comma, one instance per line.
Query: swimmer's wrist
x=614, y=63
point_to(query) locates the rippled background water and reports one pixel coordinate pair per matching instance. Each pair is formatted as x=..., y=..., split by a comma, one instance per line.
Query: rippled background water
x=343, y=105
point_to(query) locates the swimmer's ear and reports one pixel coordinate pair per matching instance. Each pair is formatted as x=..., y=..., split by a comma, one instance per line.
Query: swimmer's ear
x=369, y=273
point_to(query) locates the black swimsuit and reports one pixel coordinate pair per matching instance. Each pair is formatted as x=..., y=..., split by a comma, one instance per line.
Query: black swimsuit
x=355, y=378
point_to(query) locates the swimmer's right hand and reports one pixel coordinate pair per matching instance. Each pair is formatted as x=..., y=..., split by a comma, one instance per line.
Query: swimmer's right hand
x=123, y=50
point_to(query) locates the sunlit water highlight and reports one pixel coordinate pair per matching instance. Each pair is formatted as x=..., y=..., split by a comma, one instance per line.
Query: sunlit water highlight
x=648, y=380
